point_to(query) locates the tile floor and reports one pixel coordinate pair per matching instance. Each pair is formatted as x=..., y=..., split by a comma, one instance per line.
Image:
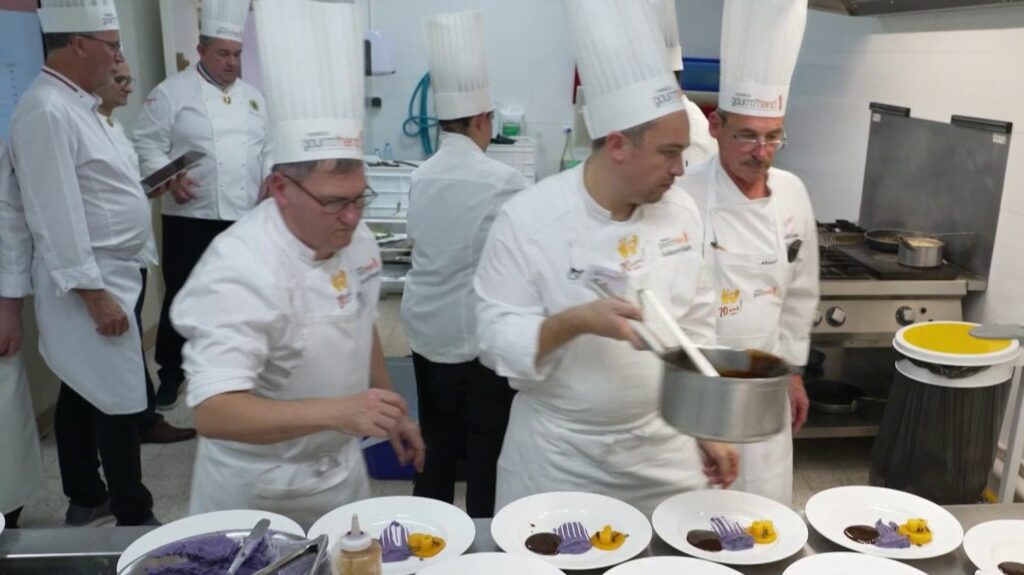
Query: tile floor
x=818, y=464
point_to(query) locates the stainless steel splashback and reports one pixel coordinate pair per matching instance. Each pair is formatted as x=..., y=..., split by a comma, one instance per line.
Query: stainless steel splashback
x=939, y=178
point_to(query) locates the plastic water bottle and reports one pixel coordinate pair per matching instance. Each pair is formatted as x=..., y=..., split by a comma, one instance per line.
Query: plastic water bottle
x=388, y=154
x=569, y=160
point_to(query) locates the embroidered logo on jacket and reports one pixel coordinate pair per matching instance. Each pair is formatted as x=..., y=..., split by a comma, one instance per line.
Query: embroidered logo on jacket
x=340, y=281
x=674, y=245
x=629, y=250
x=731, y=303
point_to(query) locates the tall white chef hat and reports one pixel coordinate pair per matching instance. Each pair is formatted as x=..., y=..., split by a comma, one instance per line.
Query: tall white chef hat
x=70, y=16
x=622, y=65
x=224, y=19
x=311, y=56
x=760, y=43
x=458, y=64
x=665, y=10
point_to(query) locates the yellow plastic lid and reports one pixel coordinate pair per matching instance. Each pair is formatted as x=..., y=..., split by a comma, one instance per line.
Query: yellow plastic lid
x=950, y=343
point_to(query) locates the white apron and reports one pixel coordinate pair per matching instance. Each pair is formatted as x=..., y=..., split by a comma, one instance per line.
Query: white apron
x=106, y=371
x=302, y=478
x=579, y=430
x=750, y=289
x=21, y=473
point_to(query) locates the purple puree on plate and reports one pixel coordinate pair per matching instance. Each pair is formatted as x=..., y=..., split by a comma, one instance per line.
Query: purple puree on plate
x=889, y=536
x=209, y=555
x=394, y=543
x=575, y=538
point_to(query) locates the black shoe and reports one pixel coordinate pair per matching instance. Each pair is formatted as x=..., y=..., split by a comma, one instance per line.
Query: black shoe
x=81, y=516
x=167, y=395
x=163, y=432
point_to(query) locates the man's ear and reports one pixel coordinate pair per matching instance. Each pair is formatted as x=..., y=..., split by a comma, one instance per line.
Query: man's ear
x=715, y=124
x=617, y=146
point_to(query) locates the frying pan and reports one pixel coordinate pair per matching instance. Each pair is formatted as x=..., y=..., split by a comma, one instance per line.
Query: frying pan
x=888, y=240
x=836, y=397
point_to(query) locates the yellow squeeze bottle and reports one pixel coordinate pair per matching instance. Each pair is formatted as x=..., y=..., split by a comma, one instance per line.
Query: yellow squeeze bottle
x=360, y=553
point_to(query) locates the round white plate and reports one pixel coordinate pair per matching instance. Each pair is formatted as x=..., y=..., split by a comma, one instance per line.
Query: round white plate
x=491, y=564
x=833, y=510
x=678, y=515
x=671, y=566
x=204, y=523
x=546, y=511
x=417, y=514
x=3, y=522
x=845, y=563
x=991, y=543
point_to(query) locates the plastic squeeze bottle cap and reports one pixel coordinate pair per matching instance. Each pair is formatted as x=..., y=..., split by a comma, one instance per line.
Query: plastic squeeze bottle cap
x=356, y=539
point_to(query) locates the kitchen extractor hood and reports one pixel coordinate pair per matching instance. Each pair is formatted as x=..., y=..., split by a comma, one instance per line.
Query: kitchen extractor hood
x=881, y=7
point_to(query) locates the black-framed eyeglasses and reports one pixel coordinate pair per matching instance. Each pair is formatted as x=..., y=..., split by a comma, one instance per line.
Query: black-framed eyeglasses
x=125, y=82
x=337, y=206
x=115, y=46
x=749, y=144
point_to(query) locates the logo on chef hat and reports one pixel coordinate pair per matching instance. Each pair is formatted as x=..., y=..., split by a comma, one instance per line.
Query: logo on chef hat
x=667, y=95
x=750, y=102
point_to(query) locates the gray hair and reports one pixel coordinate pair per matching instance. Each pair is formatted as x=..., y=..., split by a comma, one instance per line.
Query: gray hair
x=299, y=171
x=205, y=40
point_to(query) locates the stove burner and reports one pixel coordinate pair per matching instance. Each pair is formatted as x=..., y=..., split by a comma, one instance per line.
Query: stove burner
x=834, y=265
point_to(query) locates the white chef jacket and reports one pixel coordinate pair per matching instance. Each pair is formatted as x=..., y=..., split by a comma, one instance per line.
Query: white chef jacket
x=453, y=200
x=15, y=238
x=186, y=112
x=588, y=417
x=150, y=256
x=259, y=314
x=702, y=146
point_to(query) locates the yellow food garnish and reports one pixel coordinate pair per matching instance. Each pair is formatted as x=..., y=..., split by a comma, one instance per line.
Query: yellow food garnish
x=916, y=531
x=608, y=540
x=763, y=532
x=425, y=545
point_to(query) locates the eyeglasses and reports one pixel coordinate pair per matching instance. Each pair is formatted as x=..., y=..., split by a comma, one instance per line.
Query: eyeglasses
x=338, y=206
x=124, y=82
x=748, y=144
x=115, y=46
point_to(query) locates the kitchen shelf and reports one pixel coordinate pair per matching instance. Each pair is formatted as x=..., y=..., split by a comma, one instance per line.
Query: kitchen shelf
x=824, y=425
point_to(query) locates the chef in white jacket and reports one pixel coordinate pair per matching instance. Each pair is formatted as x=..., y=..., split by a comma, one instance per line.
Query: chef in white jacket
x=90, y=224
x=285, y=368
x=21, y=465
x=206, y=108
x=587, y=415
x=760, y=237
x=702, y=146
x=463, y=405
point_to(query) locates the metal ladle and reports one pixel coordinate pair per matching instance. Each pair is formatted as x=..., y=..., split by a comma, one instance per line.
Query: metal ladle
x=998, y=331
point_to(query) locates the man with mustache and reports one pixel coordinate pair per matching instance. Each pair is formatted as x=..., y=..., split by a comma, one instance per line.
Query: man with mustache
x=760, y=237
x=206, y=108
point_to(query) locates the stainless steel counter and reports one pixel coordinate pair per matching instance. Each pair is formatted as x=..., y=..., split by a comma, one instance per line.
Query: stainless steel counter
x=94, y=551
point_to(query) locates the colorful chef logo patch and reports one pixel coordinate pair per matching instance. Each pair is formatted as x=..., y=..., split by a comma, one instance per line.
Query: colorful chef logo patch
x=731, y=302
x=629, y=251
x=674, y=245
x=369, y=271
x=762, y=292
x=340, y=281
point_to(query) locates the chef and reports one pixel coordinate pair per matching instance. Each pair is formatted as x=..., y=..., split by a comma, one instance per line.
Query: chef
x=587, y=415
x=702, y=146
x=760, y=238
x=463, y=405
x=90, y=224
x=153, y=426
x=206, y=108
x=285, y=368
x=21, y=471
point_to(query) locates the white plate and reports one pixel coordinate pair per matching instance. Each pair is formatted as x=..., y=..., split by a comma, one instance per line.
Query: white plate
x=678, y=515
x=546, y=511
x=671, y=566
x=991, y=543
x=3, y=522
x=491, y=564
x=845, y=563
x=833, y=510
x=417, y=514
x=204, y=523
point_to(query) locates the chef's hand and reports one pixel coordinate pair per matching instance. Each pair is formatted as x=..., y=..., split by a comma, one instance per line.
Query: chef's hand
x=374, y=413
x=721, y=462
x=184, y=189
x=408, y=444
x=108, y=316
x=10, y=326
x=609, y=317
x=167, y=186
x=798, y=402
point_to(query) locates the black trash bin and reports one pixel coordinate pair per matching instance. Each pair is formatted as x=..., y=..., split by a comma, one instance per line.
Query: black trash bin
x=941, y=426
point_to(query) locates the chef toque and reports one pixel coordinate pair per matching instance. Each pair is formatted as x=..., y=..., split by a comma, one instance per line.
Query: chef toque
x=621, y=59
x=77, y=16
x=311, y=56
x=665, y=11
x=760, y=43
x=458, y=65
x=224, y=19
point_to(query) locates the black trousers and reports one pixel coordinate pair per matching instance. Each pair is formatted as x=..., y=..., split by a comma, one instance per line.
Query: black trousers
x=85, y=438
x=149, y=417
x=463, y=410
x=184, y=241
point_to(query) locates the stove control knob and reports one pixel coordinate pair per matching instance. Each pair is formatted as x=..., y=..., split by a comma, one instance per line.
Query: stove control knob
x=906, y=315
x=817, y=317
x=835, y=316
